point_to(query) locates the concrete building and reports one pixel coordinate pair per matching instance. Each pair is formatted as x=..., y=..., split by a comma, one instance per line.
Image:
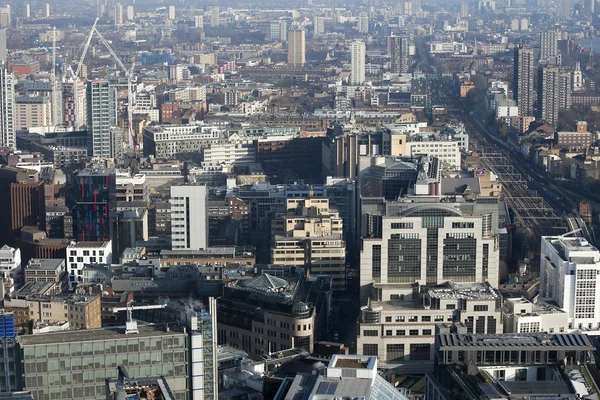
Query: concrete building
x=363, y=24
x=228, y=154
x=524, y=69
x=189, y=217
x=78, y=359
x=7, y=108
x=358, y=52
x=85, y=253
x=130, y=13
x=309, y=235
x=549, y=47
x=554, y=93
x=22, y=203
x=577, y=78
x=132, y=188
x=118, y=14
x=568, y=270
x=318, y=25
x=74, y=101
x=267, y=314
x=296, y=47
x=346, y=377
x=524, y=365
x=101, y=117
x=172, y=13
x=164, y=141
x=407, y=247
x=214, y=16
x=519, y=315
x=32, y=112
x=10, y=262
x=399, y=324
x=5, y=16
x=51, y=271
x=398, y=51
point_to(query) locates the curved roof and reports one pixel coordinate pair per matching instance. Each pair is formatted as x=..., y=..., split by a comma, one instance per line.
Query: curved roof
x=430, y=211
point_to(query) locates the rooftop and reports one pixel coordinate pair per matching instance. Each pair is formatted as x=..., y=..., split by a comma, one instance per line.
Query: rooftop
x=150, y=330
x=464, y=291
x=90, y=244
x=515, y=340
x=46, y=264
x=96, y=172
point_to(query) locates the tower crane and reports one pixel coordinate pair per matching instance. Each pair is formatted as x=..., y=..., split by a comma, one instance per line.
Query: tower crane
x=128, y=73
x=131, y=325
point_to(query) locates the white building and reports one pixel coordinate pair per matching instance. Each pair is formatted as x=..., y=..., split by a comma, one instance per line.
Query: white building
x=363, y=24
x=447, y=48
x=87, y=253
x=171, y=13
x=319, y=25
x=164, y=141
x=10, y=262
x=189, y=217
x=506, y=109
x=228, y=154
x=7, y=109
x=102, y=117
x=569, y=272
x=130, y=13
x=519, y=315
x=447, y=151
x=358, y=51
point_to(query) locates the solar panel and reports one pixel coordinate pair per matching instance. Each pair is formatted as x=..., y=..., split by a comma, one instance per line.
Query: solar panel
x=327, y=388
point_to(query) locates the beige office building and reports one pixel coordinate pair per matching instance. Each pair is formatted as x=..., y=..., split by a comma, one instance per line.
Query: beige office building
x=31, y=112
x=310, y=234
x=296, y=47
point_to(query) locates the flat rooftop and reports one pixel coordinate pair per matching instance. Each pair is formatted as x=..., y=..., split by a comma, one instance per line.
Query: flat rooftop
x=350, y=363
x=88, y=335
x=45, y=263
x=464, y=291
x=89, y=245
x=96, y=172
x=570, y=341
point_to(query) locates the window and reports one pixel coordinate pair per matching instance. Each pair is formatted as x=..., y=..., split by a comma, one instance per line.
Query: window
x=370, y=332
x=413, y=332
x=400, y=332
x=370, y=349
x=395, y=352
x=388, y=319
x=420, y=351
x=388, y=332
x=426, y=332
x=480, y=307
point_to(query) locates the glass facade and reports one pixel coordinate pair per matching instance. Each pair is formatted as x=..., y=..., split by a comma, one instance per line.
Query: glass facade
x=79, y=369
x=94, y=201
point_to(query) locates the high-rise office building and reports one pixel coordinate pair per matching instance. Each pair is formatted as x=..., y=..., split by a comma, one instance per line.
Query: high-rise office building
x=199, y=21
x=524, y=69
x=203, y=337
x=549, y=46
x=319, y=25
x=101, y=117
x=358, y=52
x=577, y=78
x=398, y=51
x=189, y=217
x=74, y=104
x=3, y=49
x=5, y=17
x=7, y=109
x=214, y=17
x=554, y=93
x=464, y=10
x=26, y=10
x=171, y=13
x=118, y=14
x=22, y=202
x=92, y=204
x=76, y=363
x=130, y=13
x=363, y=24
x=569, y=272
x=46, y=13
x=296, y=47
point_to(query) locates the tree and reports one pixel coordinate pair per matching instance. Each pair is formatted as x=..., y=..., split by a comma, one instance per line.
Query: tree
x=479, y=81
x=503, y=130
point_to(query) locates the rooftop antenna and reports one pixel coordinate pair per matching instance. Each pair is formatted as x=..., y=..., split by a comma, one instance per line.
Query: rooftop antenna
x=569, y=233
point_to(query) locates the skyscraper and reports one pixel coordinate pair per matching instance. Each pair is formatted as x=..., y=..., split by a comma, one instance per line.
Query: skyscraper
x=7, y=109
x=171, y=13
x=319, y=25
x=524, y=68
x=214, y=17
x=296, y=47
x=74, y=104
x=398, y=51
x=118, y=14
x=554, y=93
x=101, y=116
x=363, y=24
x=26, y=11
x=358, y=62
x=46, y=10
x=189, y=217
x=92, y=201
x=5, y=19
x=130, y=13
x=3, y=50
x=549, y=46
